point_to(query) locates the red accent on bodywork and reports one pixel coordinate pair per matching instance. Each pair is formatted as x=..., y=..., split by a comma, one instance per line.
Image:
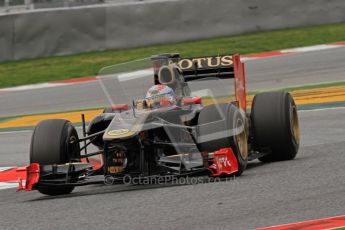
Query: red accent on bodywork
x=240, y=82
x=97, y=164
x=32, y=176
x=191, y=101
x=121, y=107
x=224, y=162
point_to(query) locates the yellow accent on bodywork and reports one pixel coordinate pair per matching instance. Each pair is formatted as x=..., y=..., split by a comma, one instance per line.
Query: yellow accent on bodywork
x=118, y=134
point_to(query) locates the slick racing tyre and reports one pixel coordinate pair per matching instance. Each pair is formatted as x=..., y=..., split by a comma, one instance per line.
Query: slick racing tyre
x=217, y=121
x=54, y=142
x=275, y=126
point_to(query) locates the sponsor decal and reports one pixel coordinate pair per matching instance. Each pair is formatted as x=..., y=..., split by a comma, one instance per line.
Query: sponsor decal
x=205, y=62
x=115, y=169
x=118, y=132
x=223, y=162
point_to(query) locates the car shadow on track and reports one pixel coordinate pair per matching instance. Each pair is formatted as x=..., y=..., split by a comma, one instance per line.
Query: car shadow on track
x=118, y=188
x=104, y=189
x=252, y=165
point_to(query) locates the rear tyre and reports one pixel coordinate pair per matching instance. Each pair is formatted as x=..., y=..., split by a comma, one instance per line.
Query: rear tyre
x=221, y=119
x=54, y=142
x=275, y=126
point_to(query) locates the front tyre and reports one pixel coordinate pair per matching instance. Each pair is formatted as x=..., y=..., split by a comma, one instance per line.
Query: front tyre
x=54, y=142
x=217, y=122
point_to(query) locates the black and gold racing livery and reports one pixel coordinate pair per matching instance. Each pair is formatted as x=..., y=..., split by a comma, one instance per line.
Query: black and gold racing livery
x=208, y=132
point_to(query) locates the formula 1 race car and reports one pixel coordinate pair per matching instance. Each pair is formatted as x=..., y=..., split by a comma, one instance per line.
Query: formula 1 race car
x=190, y=123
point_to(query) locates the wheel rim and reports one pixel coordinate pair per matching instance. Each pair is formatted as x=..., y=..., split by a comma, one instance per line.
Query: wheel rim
x=295, y=125
x=241, y=140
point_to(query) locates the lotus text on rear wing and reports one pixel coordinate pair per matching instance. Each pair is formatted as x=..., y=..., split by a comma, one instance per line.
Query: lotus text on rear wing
x=205, y=62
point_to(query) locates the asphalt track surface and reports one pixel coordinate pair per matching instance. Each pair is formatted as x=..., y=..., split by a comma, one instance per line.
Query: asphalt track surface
x=262, y=74
x=309, y=187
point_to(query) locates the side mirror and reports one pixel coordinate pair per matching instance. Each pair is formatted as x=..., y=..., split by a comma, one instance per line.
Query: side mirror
x=140, y=104
x=119, y=107
x=191, y=101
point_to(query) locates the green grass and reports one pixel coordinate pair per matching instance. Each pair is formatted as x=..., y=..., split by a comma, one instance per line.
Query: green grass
x=23, y=72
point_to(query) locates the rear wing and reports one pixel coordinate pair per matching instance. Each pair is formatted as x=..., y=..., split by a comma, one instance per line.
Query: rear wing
x=221, y=66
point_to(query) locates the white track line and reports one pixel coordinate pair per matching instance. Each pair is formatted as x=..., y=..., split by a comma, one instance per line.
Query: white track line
x=323, y=109
x=34, y=86
x=311, y=48
x=11, y=132
x=134, y=75
x=245, y=59
x=5, y=168
x=7, y=185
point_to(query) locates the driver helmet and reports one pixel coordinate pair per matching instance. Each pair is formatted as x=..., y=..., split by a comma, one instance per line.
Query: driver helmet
x=160, y=96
